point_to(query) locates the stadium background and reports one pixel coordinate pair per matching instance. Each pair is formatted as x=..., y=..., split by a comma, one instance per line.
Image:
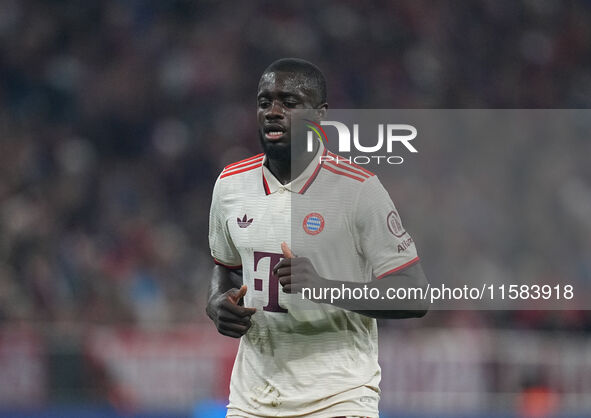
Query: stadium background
x=116, y=117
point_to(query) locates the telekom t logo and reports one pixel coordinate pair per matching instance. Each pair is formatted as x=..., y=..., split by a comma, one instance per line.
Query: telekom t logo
x=273, y=290
x=392, y=132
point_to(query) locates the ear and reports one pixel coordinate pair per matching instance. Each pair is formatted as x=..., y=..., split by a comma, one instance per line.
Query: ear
x=321, y=111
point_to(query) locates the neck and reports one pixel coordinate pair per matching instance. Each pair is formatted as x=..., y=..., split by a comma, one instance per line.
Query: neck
x=287, y=170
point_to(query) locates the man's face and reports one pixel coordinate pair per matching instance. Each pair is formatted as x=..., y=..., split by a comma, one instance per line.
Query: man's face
x=280, y=96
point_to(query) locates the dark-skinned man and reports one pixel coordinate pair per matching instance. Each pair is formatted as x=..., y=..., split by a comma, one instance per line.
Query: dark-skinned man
x=297, y=357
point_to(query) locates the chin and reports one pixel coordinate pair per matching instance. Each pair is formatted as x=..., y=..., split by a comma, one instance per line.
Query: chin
x=276, y=150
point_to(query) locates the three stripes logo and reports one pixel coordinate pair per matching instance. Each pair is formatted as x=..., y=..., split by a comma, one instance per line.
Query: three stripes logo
x=313, y=223
x=244, y=222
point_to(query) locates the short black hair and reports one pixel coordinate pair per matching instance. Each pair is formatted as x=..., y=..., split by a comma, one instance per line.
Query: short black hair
x=306, y=68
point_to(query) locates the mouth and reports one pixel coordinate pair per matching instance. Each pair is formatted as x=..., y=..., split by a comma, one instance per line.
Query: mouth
x=274, y=132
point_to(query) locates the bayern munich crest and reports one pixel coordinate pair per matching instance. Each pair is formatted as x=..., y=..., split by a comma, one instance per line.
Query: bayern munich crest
x=313, y=223
x=395, y=224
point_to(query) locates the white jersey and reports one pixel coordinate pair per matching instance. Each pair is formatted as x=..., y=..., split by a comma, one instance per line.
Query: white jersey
x=310, y=360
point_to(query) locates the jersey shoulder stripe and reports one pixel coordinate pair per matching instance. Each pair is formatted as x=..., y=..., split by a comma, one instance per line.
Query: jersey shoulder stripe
x=339, y=171
x=234, y=167
x=241, y=170
x=249, y=159
x=345, y=161
x=348, y=168
x=243, y=166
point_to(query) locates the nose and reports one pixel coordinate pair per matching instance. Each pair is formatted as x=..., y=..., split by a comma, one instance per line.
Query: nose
x=275, y=111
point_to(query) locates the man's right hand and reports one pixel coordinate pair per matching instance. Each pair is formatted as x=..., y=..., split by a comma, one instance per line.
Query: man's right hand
x=229, y=317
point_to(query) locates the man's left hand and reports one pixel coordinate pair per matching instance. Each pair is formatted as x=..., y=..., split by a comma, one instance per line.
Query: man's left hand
x=296, y=273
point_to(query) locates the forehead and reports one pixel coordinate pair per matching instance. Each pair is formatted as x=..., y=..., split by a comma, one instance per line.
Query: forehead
x=285, y=83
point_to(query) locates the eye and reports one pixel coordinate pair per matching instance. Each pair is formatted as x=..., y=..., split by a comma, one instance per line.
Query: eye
x=290, y=104
x=263, y=104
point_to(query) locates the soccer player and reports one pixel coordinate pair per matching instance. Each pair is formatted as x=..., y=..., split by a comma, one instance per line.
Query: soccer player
x=320, y=362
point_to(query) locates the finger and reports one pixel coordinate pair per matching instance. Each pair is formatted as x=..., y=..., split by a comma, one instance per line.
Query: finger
x=236, y=296
x=227, y=316
x=241, y=311
x=292, y=288
x=283, y=271
x=232, y=334
x=227, y=326
x=287, y=253
x=285, y=280
x=283, y=263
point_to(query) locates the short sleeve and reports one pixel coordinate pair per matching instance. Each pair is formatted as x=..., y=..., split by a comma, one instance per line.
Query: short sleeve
x=222, y=248
x=380, y=235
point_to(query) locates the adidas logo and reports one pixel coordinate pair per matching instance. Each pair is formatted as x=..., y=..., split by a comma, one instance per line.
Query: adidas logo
x=243, y=223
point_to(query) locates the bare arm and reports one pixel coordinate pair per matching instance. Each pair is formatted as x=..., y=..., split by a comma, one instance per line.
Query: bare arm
x=411, y=277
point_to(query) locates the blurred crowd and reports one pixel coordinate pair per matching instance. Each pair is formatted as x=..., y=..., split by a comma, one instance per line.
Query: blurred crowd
x=116, y=117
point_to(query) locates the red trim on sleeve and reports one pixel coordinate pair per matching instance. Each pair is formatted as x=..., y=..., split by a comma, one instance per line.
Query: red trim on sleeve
x=219, y=263
x=394, y=270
